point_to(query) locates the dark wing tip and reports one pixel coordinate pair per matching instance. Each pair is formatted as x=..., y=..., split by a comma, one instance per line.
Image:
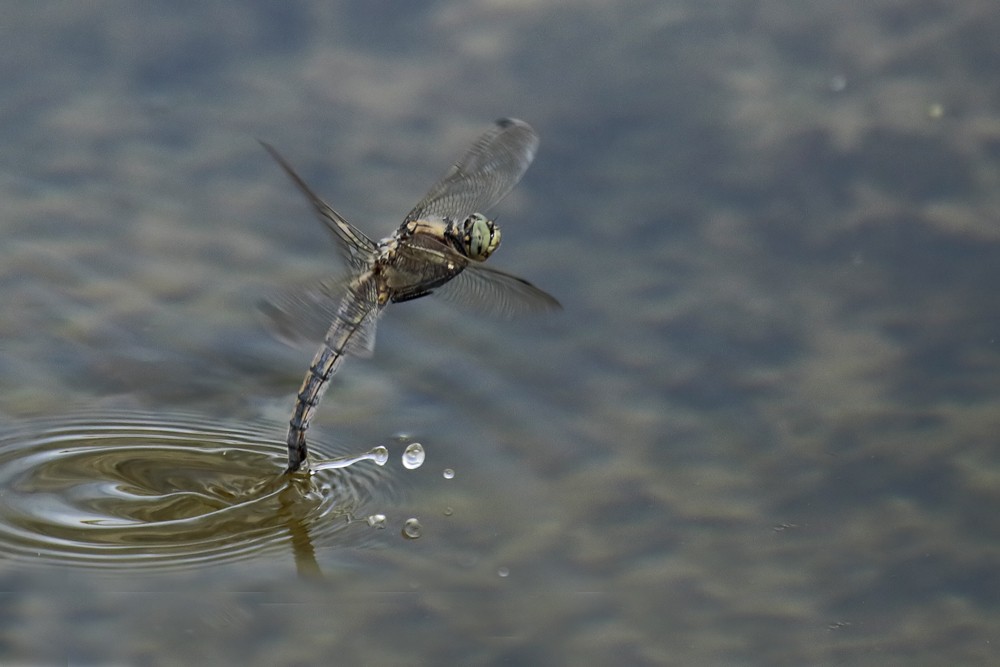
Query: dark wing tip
x=508, y=121
x=273, y=152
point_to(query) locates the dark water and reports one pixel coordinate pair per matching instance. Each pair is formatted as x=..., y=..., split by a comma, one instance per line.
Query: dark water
x=763, y=431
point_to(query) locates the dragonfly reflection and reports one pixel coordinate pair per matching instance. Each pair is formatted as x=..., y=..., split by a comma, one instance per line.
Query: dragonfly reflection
x=438, y=249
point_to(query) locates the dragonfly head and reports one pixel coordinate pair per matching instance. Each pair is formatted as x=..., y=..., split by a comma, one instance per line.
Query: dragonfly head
x=480, y=236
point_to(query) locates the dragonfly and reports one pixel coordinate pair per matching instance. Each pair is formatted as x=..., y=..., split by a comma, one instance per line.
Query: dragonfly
x=438, y=249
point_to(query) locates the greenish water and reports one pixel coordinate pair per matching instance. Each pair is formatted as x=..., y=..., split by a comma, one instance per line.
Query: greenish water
x=761, y=432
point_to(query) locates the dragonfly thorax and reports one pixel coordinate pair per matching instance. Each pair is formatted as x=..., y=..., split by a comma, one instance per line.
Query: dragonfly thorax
x=478, y=236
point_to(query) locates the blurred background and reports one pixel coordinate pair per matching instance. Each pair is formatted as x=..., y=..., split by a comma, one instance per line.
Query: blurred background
x=762, y=431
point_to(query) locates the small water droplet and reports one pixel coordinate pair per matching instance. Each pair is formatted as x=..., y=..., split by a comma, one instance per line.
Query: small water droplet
x=448, y=473
x=377, y=521
x=413, y=456
x=503, y=572
x=380, y=455
x=411, y=529
x=448, y=511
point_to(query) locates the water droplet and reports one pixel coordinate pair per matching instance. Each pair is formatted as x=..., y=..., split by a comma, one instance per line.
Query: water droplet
x=448, y=473
x=377, y=521
x=448, y=511
x=413, y=456
x=380, y=455
x=411, y=529
x=503, y=572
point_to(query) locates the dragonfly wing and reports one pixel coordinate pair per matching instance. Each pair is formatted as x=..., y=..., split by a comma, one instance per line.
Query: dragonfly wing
x=301, y=317
x=353, y=329
x=486, y=173
x=354, y=245
x=362, y=341
x=496, y=293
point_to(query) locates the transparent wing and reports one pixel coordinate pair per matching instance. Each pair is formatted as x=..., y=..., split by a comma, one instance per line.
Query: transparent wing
x=493, y=166
x=354, y=245
x=303, y=316
x=353, y=329
x=496, y=293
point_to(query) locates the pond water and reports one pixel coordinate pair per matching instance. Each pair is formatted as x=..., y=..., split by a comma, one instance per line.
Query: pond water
x=123, y=492
x=761, y=431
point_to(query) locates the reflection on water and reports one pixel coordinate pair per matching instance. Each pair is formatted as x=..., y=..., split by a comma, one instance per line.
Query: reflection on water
x=174, y=492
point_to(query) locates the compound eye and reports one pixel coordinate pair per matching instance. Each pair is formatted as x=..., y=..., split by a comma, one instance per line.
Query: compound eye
x=481, y=237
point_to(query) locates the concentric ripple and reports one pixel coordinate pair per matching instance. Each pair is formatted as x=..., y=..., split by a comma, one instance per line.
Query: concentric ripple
x=172, y=492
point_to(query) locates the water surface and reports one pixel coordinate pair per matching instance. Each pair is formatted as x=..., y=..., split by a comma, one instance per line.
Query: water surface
x=125, y=491
x=761, y=432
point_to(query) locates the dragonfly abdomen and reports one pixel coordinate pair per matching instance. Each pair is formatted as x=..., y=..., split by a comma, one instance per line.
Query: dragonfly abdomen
x=317, y=379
